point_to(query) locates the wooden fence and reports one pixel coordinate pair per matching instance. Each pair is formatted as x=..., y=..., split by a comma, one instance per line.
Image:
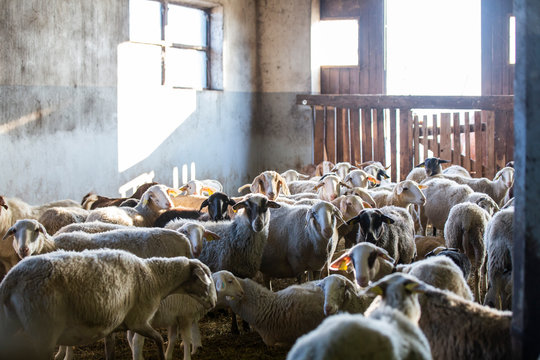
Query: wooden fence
x=474, y=132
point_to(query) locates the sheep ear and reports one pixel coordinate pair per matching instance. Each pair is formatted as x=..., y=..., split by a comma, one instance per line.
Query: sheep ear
x=414, y=287
x=183, y=188
x=347, y=177
x=346, y=185
x=273, y=204
x=204, y=204
x=3, y=203
x=240, y=205
x=208, y=190
x=282, y=185
x=373, y=180
x=339, y=217
x=399, y=188
x=316, y=187
x=232, y=202
x=210, y=236
x=354, y=220
x=341, y=263
x=353, y=168
x=245, y=186
x=388, y=167
x=387, y=219
x=199, y=273
x=382, y=253
x=441, y=161
x=378, y=289
x=8, y=233
x=42, y=229
x=366, y=205
x=383, y=174
x=420, y=165
x=257, y=184
x=422, y=187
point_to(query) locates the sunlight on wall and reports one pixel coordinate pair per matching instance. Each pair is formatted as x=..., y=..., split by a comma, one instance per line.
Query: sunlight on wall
x=148, y=113
x=335, y=42
x=433, y=47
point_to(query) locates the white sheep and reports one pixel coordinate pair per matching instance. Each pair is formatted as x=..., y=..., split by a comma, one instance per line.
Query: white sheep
x=72, y=298
x=499, y=242
x=293, y=175
x=55, y=218
x=457, y=170
x=30, y=238
x=389, y=332
x=417, y=175
x=91, y=227
x=360, y=178
x=341, y=169
x=405, y=193
x=280, y=317
x=300, y=238
x=269, y=183
x=201, y=187
x=181, y=313
x=341, y=294
x=464, y=230
x=152, y=203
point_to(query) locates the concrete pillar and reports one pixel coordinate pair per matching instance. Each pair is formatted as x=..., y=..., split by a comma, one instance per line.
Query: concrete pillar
x=526, y=310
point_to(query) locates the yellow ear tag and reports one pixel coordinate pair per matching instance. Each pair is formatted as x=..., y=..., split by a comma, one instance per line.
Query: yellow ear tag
x=145, y=201
x=373, y=180
x=208, y=190
x=411, y=286
x=341, y=264
x=172, y=192
x=376, y=290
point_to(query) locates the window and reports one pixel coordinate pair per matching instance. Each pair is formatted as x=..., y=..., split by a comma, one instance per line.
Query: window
x=182, y=33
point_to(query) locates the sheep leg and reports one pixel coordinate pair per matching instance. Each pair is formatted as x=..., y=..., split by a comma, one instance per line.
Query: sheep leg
x=137, y=344
x=149, y=332
x=110, y=341
x=234, y=324
x=130, y=335
x=69, y=352
x=267, y=282
x=172, y=334
x=61, y=354
x=185, y=332
x=196, y=337
x=245, y=326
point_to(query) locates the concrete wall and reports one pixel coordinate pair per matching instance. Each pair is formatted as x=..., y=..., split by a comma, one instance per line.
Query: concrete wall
x=77, y=115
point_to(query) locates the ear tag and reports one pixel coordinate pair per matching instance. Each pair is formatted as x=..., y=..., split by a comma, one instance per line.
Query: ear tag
x=145, y=201
x=376, y=290
x=220, y=285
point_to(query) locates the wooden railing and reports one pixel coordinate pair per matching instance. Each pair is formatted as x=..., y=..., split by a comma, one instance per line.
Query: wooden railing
x=476, y=132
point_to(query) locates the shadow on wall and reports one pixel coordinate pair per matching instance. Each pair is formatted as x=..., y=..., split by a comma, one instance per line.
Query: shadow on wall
x=171, y=133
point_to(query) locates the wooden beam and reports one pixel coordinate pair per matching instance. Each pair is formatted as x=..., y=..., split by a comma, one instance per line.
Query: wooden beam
x=497, y=102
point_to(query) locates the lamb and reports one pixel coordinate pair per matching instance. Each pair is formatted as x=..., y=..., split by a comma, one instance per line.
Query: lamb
x=442, y=195
x=242, y=240
x=153, y=202
x=341, y=294
x=300, y=238
x=389, y=227
x=293, y=175
x=404, y=194
x=55, y=218
x=280, y=317
x=390, y=332
x=464, y=230
x=13, y=209
x=92, y=201
x=71, y=298
x=457, y=328
x=182, y=313
x=496, y=189
x=30, y=237
x=268, y=183
x=499, y=244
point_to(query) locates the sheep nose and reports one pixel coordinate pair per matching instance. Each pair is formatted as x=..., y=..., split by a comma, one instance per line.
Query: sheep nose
x=330, y=310
x=196, y=252
x=25, y=251
x=362, y=281
x=333, y=196
x=271, y=195
x=328, y=232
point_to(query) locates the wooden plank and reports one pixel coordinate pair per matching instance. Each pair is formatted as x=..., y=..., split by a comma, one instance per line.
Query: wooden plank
x=377, y=83
x=456, y=155
x=334, y=83
x=510, y=136
x=416, y=140
x=354, y=80
x=355, y=136
x=375, y=135
x=446, y=144
x=425, y=137
x=489, y=153
x=330, y=134
x=467, y=160
x=478, y=138
x=436, y=137
x=393, y=144
x=367, y=136
x=318, y=143
x=325, y=80
x=500, y=137
x=344, y=87
x=341, y=9
x=405, y=139
x=501, y=102
x=380, y=146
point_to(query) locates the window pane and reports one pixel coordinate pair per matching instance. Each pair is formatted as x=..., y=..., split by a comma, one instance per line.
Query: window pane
x=186, y=26
x=144, y=21
x=185, y=68
x=336, y=42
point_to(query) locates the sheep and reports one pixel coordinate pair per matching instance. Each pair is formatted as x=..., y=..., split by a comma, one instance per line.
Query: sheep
x=456, y=170
x=404, y=194
x=280, y=317
x=13, y=209
x=432, y=166
x=391, y=331
x=425, y=244
x=417, y=175
x=201, y=187
x=377, y=170
x=72, y=298
x=92, y=201
x=360, y=178
x=458, y=257
x=153, y=202
x=364, y=194
x=389, y=227
x=341, y=294
x=218, y=209
x=464, y=230
x=90, y=227
x=269, y=183
x=341, y=169
x=499, y=245
x=457, y=328
x=300, y=238
x=442, y=195
x=293, y=175
x=349, y=205
x=182, y=313
x=30, y=237
x=55, y=218
x=496, y=189
x=242, y=240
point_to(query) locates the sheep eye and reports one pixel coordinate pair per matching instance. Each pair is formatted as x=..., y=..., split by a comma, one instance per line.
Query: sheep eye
x=405, y=189
x=230, y=281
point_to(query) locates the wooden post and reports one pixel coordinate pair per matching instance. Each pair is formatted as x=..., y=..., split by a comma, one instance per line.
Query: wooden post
x=526, y=269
